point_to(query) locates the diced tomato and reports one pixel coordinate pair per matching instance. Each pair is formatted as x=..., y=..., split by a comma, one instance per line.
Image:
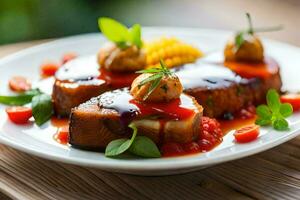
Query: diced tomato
x=67, y=57
x=49, y=69
x=191, y=147
x=19, y=114
x=62, y=135
x=205, y=145
x=246, y=134
x=19, y=84
x=293, y=99
x=172, y=149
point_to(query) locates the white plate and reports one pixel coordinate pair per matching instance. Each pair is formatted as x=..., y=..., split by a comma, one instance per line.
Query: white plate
x=39, y=141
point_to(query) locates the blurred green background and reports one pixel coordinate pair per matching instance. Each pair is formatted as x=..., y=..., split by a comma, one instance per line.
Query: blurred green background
x=22, y=20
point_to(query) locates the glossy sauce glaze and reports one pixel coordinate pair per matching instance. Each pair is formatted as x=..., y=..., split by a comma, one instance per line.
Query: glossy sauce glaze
x=129, y=109
x=204, y=75
x=210, y=72
x=208, y=76
x=85, y=70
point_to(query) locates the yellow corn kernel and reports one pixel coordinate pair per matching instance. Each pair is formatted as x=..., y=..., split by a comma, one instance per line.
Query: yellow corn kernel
x=172, y=51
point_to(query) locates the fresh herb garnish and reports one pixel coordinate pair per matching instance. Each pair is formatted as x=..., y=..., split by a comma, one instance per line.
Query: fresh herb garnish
x=240, y=35
x=20, y=99
x=118, y=33
x=155, y=78
x=137, y=145
x=41, y=104
x=42, y=108
x=144, y=147
x=274, y=113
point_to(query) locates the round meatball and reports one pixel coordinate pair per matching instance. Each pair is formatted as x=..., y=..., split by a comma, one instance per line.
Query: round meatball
x=250, y=51
x=168, y=89
x=115, y=59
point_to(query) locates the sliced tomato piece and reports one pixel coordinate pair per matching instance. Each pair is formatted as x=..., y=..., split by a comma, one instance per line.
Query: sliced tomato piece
x=68, y=56
x=62, y=135
x=19, y=84
x=246, y=133
x=19, y=114
x=49, y=69
x=293, y=99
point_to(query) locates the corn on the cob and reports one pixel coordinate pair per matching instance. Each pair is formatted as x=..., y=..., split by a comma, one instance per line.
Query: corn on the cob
x=172, y=51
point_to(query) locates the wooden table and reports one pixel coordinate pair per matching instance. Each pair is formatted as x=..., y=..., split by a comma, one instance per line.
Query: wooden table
x=274, y=174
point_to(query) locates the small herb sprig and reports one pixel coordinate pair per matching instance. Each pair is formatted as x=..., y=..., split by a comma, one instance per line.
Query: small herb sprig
x=137, y=145
x=274, y=113
x=118, y=33
x=240, y=35
x=154, y=80
x=41, y=104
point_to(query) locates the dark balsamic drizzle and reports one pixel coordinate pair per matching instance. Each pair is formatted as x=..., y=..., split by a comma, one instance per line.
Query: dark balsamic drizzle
x=81, y=69
x=119, y=100
x=207, y=76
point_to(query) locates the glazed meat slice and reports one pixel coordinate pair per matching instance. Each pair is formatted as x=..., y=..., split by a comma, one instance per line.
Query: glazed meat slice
x=102, y=119
x=69, y=94
x=219, y=90
x=76, y=82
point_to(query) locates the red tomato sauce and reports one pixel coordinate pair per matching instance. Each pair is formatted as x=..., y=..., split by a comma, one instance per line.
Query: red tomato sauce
x=117, y=80
x=62, y=135
x=211, y=134
x=172, y=110
x=252, y=70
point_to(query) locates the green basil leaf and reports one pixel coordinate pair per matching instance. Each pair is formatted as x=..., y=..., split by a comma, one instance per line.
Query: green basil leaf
x=19, y=100
x=239, y=39
x=144, y=147
x=280, y=124
x=135, y=35
x=264, y=112
x=263, y=122
x=119, y=146
x=113, y=30
x=286, y=110
x=42, y=108
x=273, y=101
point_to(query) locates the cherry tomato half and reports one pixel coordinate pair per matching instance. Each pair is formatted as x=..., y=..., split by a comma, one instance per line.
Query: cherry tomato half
x=19, y=114
x=49, y=69
x=62, y=135
x=293, y=99
x=67, y=57
x=246, y=134
x=19, y=84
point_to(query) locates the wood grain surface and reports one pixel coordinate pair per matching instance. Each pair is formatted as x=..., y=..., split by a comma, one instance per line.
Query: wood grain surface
x=274, y=174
